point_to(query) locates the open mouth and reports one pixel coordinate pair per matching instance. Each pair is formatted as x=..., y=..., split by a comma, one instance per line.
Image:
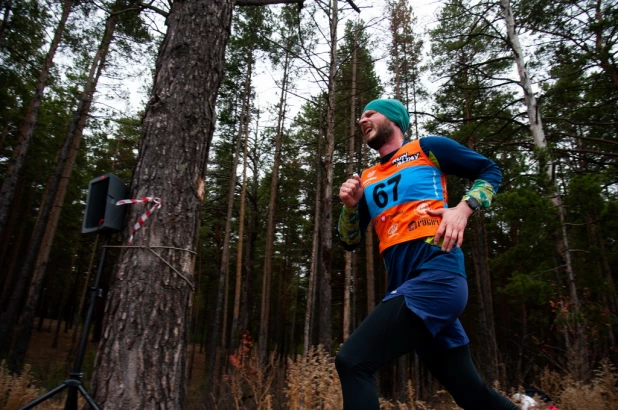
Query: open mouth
x=367, y=130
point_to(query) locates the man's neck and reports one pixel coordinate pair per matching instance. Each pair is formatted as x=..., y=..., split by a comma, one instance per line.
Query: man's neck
x=390, y=146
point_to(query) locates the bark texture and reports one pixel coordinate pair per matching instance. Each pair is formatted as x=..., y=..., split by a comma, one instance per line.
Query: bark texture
x=350, y=264
x=326, y=238
x=141, y=361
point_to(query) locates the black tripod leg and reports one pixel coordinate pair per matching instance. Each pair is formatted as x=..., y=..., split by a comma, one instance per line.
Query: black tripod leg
x=71, y=402
x=75, y=382
x=88, y=398
x=44, y=397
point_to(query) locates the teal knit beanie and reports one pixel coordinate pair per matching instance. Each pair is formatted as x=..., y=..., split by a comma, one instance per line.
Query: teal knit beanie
x=394, y=110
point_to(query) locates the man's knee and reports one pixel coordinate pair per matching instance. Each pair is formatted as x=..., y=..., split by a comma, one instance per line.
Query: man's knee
x=343, y=363
x=347, y=364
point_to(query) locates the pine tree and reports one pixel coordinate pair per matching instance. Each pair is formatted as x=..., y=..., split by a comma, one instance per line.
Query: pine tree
x=176, y=139
x=405, y=59
x=472, y=106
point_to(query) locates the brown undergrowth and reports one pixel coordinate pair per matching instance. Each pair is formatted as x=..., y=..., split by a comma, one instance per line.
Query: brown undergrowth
x=600, y=394
x=292, y=383
x=16, y=391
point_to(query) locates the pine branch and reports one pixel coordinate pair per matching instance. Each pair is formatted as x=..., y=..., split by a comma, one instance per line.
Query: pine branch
x=149, y=6
x=354, y=6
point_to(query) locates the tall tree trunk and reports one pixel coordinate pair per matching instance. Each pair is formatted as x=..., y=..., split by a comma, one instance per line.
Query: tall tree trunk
x=249, y=256
x=49, y=212
x=326, y=243
x=396, y=57
x=212, y=353
x=490, y=363
x=8, y=231
x=142, y=355
x=350, y=256
x=9, y=253
x=577, y=362
x=64, y=299
x=272, y=210
x=415, y=102
x=82, y=298
x=282, y=302
x=241, y=232
x=603, y=47
x=16, y=166
x=315, y=250
x=195, y=317
x=395, y=25
x=7, y=6
x=241, y=224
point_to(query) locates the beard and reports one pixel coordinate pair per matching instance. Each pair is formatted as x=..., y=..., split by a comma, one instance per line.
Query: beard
x=383, y=133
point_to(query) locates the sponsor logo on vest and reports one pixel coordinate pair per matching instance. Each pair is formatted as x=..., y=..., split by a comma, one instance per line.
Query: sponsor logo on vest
x=368, y=180
x=386, y=216
x=423, y=222
x=405, y=157
x=394, y=214
x=421, y=209
x=372, y=173
x=393, y=230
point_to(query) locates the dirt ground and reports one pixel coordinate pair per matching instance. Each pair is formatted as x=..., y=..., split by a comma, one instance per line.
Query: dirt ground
x=50, y=366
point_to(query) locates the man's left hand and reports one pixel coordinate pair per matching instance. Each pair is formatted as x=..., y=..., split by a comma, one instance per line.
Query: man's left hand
x=454, y=221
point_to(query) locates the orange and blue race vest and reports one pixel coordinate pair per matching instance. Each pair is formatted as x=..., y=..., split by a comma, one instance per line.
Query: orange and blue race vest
x=400, y=192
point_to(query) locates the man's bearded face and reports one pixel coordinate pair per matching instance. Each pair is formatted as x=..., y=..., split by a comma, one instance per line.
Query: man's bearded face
x=382, y=134
x=376, y=128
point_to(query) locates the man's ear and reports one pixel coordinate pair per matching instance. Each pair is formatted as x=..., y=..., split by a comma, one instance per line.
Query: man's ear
x=397, y=131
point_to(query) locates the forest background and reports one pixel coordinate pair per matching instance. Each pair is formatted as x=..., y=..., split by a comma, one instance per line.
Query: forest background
x=241, y=260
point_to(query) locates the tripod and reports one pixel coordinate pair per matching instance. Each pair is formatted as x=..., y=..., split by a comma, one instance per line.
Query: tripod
x=74, y=382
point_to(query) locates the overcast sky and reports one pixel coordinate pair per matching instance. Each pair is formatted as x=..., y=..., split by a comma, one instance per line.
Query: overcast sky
x=264, y=83
x=371, y=12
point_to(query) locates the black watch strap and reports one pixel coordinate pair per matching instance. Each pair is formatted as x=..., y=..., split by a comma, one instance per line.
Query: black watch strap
x=473, y=203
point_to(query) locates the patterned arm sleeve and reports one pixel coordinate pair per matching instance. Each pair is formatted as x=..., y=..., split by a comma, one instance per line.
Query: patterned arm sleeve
x=349, y=227
x=482, y=191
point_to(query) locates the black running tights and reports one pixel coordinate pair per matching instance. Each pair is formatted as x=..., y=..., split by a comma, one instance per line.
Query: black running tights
x=392, y=330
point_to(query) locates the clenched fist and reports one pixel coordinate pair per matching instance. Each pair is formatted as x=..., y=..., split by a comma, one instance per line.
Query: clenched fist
x=351, y=191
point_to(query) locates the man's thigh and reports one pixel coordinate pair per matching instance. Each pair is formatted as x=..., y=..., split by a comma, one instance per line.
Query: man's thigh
x=389, y=331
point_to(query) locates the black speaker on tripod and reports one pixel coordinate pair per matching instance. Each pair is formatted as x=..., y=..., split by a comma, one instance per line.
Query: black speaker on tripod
x=101, y=213
x=102, y=216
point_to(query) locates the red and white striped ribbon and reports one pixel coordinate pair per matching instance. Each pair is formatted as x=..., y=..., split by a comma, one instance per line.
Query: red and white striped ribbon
x=142, y=219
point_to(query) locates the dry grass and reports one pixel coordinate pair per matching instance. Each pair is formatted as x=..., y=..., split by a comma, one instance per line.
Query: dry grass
x=600, y=394
x=299, y=383
x=251, y=386
x=16, y=391
x=441, y=401
x=312, y=382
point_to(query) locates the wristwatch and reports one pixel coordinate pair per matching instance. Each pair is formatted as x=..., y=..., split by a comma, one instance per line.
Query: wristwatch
x=473, y=203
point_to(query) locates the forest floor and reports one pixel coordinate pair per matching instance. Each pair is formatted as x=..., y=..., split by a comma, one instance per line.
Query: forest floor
x=51, y=366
